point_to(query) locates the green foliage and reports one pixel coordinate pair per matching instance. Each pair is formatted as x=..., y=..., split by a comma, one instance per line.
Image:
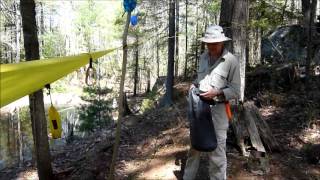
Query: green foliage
x=24, y=115
x=60, y=86
x=267, y=16
x=53, y=44
x=86, y=22
x=95, y=19
x=150, y=101
x=96, y=113
x=213, y=7
x=146, y=105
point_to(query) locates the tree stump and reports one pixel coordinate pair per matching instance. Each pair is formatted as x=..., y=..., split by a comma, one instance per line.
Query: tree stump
x=248, y=124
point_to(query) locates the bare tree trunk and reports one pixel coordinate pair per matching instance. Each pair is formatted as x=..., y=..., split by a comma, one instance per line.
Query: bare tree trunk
x=186, y=52
x=136, y=67
x=41, y=28
x=121, y=100
x=239, y=37
x=196, y=39
x=308, y=10
x=293, y=9
x=39, y=123
x=170, y=72
x=20, y=139
x=254, y=43
x=148, y=80
x=226, y=19
x=8, y=134
x=176, y=70
x=18, y=32
x=158, y=60
x=284, y=11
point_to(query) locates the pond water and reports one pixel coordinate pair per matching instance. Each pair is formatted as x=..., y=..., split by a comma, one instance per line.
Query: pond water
x=16, y=142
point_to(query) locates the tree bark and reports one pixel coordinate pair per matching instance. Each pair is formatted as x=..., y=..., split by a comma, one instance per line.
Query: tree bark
x=293, y=9
x=226, y=19
x=18, y=32
x=254, y=43
x=121, y=100
x=158, y=60
x=308, y=10
x=283, y=11
x=196, y=39
x=136, y=67
x=186, y=51
x=41, y=28
x=20, y=138
x=239, y=37
x=171, y=41
x=148, y=80
x=38, y=120
x=176, y=69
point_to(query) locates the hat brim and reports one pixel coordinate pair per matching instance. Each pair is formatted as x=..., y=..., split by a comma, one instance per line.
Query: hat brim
x=214, y=40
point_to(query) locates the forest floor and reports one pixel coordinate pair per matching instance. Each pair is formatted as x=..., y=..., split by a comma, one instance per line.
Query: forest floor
x=155, y=145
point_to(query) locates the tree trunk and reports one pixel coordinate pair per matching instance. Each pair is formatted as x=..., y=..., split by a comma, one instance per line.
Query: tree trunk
x=308, y=10
x=18, y=32
x=170, y=72
x=293, y=9
x=20, y=139
x=239, y=36
x=38, y=120
x=176, y=71
x=8, y=134
x=136, y=67
x=254, y=43
x=158, y=60
x=226, y=19
x=283, y=11
x=186, y=50
x=41, y=28
x=148, y=80
x=121, y=100
x=196, y=39
x=125, y=105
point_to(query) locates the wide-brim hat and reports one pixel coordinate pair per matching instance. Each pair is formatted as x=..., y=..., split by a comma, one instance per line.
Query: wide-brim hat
x=214, y=33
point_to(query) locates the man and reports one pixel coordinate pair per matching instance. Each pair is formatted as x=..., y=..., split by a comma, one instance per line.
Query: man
x=219, y=79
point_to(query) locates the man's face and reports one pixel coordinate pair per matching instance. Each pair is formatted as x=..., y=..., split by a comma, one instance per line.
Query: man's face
x=215, y=48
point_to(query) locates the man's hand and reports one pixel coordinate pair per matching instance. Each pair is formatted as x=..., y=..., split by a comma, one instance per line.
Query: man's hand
x=211, y=93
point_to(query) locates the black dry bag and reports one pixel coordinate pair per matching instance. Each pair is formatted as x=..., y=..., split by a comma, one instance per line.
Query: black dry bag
x=202, y=133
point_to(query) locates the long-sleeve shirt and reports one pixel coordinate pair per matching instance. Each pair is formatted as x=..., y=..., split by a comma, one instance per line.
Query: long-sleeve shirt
x=223, y=74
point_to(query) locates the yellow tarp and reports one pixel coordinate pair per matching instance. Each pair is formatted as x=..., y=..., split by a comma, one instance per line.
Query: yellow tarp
x=20, y=79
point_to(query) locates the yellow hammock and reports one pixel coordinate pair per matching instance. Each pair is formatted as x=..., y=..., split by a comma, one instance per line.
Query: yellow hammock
x=20, y=79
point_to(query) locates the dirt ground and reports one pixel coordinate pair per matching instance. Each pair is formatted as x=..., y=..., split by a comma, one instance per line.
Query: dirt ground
x=155, y=145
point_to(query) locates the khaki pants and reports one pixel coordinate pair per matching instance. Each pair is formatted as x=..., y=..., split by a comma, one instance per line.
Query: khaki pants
x=217, y=158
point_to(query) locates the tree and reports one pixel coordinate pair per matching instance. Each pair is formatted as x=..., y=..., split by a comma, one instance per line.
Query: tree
x=176, y=68
x=96, y=112
x=226, y=19
x=186, y=50
x=308, y=10
x=38, y=120
x=167, y=101
x=136, y=66
x=121, y=97
x=235, y=14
